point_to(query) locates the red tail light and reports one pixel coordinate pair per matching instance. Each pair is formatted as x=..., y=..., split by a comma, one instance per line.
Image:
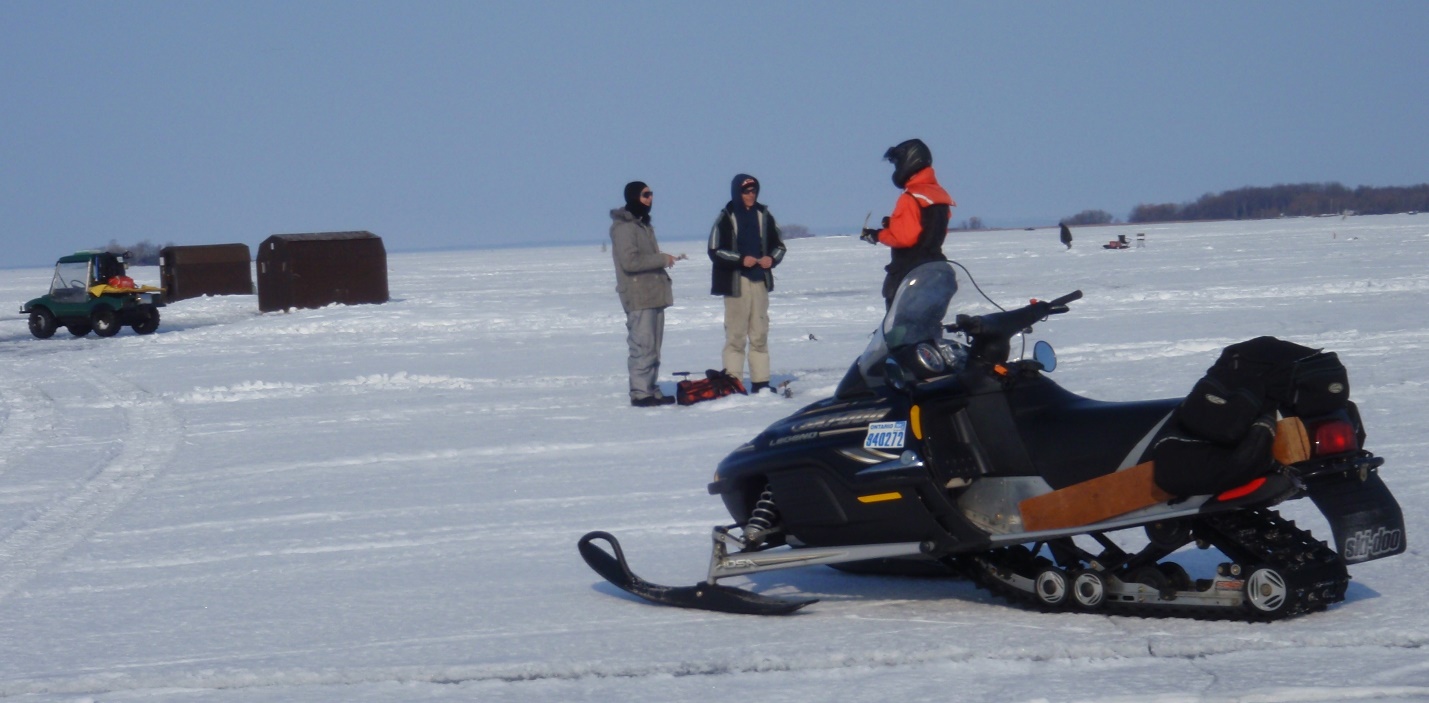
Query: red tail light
x=1242, y=491
x=1335, y=437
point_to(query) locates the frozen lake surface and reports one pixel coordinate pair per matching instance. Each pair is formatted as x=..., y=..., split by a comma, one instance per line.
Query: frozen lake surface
x=381, y=503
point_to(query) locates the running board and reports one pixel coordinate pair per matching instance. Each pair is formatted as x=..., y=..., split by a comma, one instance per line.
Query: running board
x=723, y=564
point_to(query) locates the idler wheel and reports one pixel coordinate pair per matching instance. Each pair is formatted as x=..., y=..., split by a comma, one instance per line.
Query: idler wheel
x=1089, y=590
x=1051, y=587
x=1266, y=592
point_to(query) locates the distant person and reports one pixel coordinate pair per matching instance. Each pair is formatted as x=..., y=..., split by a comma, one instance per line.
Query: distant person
x=745, y=247
x=1066, y=235
x=919, y=223
x=644, y=289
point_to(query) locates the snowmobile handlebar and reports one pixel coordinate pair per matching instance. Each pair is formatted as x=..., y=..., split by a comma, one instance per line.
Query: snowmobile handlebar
x=1070, y=297
x=990, y=335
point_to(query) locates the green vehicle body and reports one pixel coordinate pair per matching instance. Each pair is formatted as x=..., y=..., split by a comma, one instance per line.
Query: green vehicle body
x=71, y=305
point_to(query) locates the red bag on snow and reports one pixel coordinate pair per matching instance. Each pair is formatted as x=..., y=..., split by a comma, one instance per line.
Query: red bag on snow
x=715, y=384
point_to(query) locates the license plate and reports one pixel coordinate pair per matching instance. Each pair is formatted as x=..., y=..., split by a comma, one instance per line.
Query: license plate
x=885, y=435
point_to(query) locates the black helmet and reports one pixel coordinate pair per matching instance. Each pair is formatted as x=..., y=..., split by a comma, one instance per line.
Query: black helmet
x=908, y=158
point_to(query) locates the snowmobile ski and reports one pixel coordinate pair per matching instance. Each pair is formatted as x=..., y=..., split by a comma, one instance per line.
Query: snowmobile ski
x=703, y=596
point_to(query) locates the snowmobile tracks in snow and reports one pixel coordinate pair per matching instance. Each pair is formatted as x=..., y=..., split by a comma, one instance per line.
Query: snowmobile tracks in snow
x=27, y=415
x=1277, y=571
x=147, y=440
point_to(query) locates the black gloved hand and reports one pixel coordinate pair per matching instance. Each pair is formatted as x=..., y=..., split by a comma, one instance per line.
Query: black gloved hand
x=869, y=235
x=1254, y=449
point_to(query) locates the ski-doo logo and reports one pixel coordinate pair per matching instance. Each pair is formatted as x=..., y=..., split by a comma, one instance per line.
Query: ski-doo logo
x=1365, y=545
x=885, y=435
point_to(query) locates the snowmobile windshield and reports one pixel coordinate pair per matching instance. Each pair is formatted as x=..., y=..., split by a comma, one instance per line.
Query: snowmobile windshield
x=923, y=301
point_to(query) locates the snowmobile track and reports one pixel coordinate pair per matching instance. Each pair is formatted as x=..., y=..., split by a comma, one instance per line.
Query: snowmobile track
x=1315, y=575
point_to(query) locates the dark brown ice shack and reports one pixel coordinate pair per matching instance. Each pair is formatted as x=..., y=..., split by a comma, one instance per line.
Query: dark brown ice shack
x=313, y=270
x=205, y=269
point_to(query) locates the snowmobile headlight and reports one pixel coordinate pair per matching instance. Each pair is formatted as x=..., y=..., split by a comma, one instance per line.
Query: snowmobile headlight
x=954, y=355
x=929, y=359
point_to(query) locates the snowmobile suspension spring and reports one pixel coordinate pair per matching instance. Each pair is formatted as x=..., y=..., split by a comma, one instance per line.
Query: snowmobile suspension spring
x=764, y=515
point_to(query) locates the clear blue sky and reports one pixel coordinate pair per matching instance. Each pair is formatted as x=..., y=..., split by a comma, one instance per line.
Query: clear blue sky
x=458, y=124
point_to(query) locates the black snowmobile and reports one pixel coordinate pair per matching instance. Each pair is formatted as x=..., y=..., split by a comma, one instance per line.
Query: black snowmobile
x=938, y=453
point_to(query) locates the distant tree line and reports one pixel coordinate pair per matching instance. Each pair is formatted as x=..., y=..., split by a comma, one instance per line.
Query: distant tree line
x=1090, y=217
x=794, y=232
x=1296, y=200
x=145, y=253
x=971, y=224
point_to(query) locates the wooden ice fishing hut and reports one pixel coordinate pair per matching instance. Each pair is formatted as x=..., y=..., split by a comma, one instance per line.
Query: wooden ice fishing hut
x=205, y=269
x=313, y=270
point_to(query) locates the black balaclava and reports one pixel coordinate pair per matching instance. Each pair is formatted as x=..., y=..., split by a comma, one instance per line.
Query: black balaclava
x=908, y=158
x=640, y=210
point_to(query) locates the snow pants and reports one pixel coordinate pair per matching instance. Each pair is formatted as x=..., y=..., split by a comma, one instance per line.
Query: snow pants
x=645, y=333
x=746, y=321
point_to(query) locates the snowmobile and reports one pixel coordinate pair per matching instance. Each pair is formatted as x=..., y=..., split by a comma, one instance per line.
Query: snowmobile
x=938, y=453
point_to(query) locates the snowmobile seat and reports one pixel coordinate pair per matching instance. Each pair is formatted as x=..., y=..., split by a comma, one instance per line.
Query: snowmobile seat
x=1071, y=439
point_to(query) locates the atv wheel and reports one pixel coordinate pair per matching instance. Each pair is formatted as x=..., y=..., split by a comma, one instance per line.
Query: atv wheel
x=43, y=323
x=106, y=323
x=1089, y=590
x=147, y=319
x=78, y=329
x=1051, y=585
x=1266, y=593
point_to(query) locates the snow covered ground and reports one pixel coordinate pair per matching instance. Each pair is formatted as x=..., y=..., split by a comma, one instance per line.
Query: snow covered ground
x=381, y=503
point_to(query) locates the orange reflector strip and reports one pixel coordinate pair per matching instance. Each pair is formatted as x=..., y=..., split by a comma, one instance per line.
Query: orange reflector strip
x=880, y=497
x=915, y=419
x=1242, y=491
x=1000, y=370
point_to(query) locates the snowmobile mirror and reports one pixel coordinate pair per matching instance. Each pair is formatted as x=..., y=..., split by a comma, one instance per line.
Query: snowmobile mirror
x=894, y=374
x=1043, y=354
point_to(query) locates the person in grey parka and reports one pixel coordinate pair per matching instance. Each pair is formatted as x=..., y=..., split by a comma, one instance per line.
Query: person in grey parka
x=644, y=289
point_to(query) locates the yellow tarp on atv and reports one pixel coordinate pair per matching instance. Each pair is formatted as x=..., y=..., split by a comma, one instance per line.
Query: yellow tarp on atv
x=104, y=288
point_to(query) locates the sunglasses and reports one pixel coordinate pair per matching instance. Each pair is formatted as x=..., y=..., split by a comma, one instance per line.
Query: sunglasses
x=750, y=189
x=648, y=194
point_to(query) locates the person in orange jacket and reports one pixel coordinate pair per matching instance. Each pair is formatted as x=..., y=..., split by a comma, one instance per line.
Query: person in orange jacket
x=919, y=224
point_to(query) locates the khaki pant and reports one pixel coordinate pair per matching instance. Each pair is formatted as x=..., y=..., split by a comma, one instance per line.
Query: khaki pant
x=746, y=319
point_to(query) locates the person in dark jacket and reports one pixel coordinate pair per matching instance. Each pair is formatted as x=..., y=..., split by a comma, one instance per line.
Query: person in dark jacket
x=645, y=291
x=745, y=247
x=919, y=224
x=1066, y=235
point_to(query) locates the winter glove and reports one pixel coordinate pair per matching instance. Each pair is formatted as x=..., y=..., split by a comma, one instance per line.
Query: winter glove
x=869, y=235
x=1254, y=448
